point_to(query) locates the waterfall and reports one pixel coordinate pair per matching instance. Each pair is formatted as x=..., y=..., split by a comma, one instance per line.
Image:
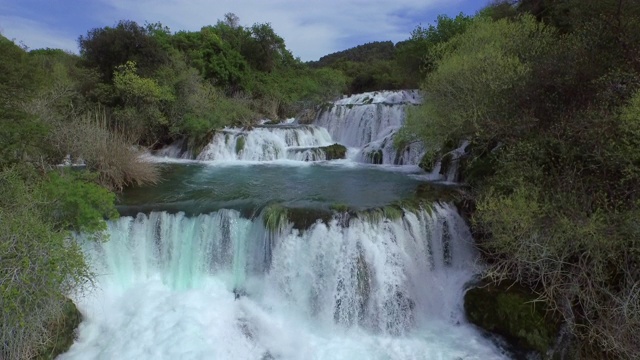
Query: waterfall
x=366, y=122
x=267, y=143
x=177, y=150
x=369, y=121
x=222, y=286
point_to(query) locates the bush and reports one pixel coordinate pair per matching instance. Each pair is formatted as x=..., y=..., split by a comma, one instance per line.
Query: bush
x=77, y=203
x=39, y=264
x=108, y=153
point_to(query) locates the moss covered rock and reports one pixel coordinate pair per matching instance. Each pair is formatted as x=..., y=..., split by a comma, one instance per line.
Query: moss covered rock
x=304, y=218
x=375, y=157
x=62, y=332
x=428, y=160
x=335, y=151
x=513, y=313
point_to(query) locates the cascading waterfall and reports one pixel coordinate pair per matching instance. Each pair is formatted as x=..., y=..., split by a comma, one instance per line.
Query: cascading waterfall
x=267, y=143
x=366, y=122
x=220, y=285
x=369, y=121
x=223, y=286
x=177, y=150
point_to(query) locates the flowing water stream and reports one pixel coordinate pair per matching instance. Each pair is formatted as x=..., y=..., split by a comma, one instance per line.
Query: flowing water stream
x=197, y=268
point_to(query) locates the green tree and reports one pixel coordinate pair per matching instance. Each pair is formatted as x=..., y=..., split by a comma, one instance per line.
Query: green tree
x=416, y=56
x=20, y=132
x=40, y=264
x=109, y=47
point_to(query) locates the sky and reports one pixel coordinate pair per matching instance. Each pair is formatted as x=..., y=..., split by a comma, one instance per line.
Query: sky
x=310, y=28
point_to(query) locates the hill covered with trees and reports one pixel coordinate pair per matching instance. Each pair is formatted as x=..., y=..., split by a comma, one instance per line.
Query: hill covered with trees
x=548, y=95
x=383, y=65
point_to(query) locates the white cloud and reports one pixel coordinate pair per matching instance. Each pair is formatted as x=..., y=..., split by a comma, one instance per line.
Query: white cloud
x=36, y=35
x=311, y=28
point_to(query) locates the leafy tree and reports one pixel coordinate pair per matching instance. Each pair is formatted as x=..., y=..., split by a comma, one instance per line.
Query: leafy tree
x=416, y=56
x=39, y=265
x=142, y=100
x=20, y=132
x=109, y=47
x=473, y=92
x=265, y=50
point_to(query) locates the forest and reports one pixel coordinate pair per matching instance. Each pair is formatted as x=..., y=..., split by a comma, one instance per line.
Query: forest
x=546, y=92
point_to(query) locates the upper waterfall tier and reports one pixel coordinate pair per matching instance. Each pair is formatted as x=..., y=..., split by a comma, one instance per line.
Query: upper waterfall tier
x=389, y=97
x=267, y=143
x=369, y=121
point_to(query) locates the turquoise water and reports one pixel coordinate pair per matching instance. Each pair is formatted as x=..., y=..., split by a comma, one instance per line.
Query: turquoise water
x=197, y=188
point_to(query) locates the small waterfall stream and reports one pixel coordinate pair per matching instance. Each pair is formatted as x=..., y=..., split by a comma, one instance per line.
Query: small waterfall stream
x=268, y=143
x=369, y=122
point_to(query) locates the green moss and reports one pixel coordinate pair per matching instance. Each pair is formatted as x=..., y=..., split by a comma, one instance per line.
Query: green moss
x=240, y=143
x=62, y=332
x=339, y=207
x=429, y=193
x=275, y=216
x=389, y=212
x=375, y=157
x=304, y=218
x=513, y=313
x=428, y=160
x=335, y=151
x=445, y=163
x=392, y=212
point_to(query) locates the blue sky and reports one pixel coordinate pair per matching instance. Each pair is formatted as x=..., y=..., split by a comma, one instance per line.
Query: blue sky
x=311, y=28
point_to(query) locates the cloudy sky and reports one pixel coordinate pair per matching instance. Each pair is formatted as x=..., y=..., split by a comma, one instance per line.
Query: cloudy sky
x=311, y=28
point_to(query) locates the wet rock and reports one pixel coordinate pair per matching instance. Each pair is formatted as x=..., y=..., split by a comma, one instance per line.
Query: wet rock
x=363, y=276
x=428, y=160
x=513, y=313
x=335, y=151
x=62, y=330
x=375, y=157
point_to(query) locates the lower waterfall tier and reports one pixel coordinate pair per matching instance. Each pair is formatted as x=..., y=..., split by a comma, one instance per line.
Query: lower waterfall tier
x=220, y=286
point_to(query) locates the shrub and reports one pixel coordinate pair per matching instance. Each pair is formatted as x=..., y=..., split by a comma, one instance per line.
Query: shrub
x=39, y=264
x=107, y=152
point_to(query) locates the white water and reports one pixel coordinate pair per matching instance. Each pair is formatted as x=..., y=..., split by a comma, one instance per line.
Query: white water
x=267, y=144
x=369, y=121
x=366, y=123
x=177, y=150
x=377, y=289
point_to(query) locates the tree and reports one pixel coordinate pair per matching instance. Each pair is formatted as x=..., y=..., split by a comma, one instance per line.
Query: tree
x=265, y=50
x=416, y=56
x=108, y=47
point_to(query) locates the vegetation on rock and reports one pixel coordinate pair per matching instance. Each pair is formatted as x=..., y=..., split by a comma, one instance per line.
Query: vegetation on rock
x=335, y=151
x=516, y=314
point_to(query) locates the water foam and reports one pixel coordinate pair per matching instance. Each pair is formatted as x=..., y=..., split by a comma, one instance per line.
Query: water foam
x=349, y=289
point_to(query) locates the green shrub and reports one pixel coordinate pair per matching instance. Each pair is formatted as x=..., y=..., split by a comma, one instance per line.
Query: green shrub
x=40, y=264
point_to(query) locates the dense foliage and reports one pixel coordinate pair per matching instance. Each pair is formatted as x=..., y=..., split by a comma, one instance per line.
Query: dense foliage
x=548, y=95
